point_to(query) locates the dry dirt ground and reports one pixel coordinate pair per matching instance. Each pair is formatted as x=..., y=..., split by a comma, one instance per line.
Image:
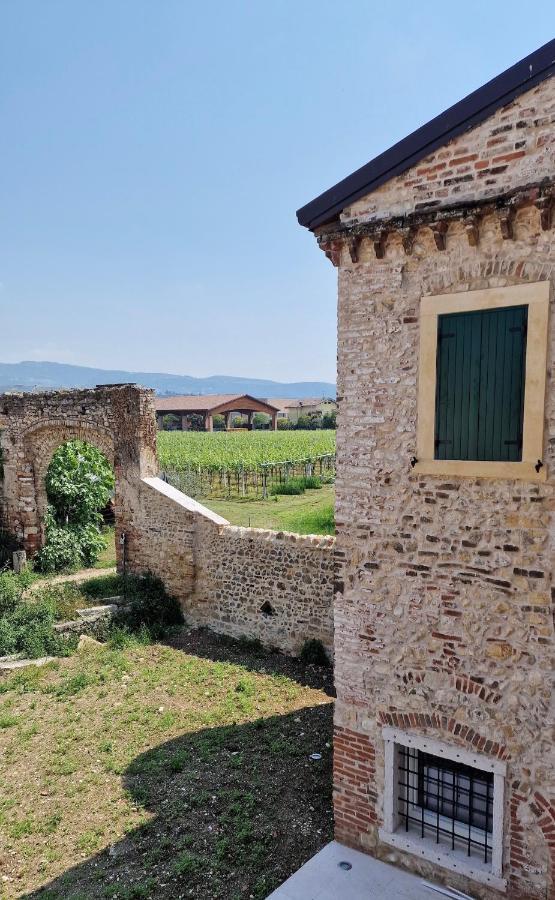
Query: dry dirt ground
x=177, y=770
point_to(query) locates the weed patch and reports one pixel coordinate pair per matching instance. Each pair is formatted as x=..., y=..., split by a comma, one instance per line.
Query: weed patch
x=162, y=771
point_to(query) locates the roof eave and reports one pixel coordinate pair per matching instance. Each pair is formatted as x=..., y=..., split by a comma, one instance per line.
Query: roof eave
x=460, y=117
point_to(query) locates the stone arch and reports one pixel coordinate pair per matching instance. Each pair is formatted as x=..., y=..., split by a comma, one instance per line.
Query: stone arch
x=530, y=808
x=41, y=442
x=117, y=419
x=504, y=268
x=465, y=734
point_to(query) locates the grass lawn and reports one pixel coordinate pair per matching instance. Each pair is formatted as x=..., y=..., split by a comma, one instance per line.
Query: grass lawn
x=308, y=513
x=107, y=558
x=163, y=771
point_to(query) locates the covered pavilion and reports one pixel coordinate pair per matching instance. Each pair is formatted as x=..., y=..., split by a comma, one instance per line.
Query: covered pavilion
x=211, y=405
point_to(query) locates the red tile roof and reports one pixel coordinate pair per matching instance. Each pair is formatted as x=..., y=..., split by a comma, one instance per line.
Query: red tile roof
x=205, y=403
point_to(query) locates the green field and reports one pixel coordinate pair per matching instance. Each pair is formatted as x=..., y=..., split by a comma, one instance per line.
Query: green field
x=243, y=450
x=309, y=513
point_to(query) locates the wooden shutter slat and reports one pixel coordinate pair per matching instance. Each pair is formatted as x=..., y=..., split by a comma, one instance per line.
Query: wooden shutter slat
x=474, y=397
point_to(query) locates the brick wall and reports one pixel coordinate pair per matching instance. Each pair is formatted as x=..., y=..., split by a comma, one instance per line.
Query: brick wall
x=274, y=586
x=514, y=147
x=444, y=625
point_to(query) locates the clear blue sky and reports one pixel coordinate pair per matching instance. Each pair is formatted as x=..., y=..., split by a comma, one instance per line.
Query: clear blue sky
x=154, y=153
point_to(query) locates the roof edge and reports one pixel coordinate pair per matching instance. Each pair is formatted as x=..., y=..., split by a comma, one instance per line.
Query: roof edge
x=465, y=114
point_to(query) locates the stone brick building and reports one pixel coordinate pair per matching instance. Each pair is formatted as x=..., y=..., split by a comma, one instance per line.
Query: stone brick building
x=444, y=635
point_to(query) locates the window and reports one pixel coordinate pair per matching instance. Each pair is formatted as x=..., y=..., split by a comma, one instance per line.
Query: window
x=481, y=394
x=445, y=804
x=446, y=801
x=480, y=384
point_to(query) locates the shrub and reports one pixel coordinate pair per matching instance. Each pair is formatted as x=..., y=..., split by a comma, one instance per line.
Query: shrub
x=309, y=422
x=246, y=644
x=79, y=483
x=68, y=547
x=329, y=420
x=296, y=485
x=28, y=628
x=10, y=592
x=314, y=653
x=293, y=486
x=312, y=482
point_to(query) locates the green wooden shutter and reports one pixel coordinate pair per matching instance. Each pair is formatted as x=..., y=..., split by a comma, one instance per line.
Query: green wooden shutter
x=480, y=384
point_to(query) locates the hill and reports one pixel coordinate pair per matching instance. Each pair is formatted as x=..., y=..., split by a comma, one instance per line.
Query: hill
x=28, y=376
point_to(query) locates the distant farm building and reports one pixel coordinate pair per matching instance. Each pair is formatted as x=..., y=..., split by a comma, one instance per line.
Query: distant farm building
x=308, y=406
x=227, y=405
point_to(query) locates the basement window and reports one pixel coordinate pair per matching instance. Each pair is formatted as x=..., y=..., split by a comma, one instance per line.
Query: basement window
x=445, y=804
x=481, y=393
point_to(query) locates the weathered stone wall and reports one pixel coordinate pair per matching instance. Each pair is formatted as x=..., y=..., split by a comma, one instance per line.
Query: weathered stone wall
x=118, y=419
x=514, y=147
x=445, y=623
x=274, y=586
x=224, y=575
x=163, y=537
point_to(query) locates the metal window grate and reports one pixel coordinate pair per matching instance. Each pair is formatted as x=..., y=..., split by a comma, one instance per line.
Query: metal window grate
x=446, y=801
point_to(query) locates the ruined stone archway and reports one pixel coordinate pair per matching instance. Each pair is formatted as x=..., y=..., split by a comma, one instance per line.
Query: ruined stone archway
x=117, y=419
x=42, y=441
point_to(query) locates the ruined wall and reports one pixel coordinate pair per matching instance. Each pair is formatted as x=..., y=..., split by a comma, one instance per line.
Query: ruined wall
x=224, y=575
x=514, y=147
x=118, y=419
x=445, y=623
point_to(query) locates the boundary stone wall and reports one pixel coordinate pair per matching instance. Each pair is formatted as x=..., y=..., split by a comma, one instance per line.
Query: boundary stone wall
x=274, y=586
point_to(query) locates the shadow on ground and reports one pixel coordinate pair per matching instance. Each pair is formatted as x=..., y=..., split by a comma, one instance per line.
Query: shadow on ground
x=218, y=648
x=234, y=811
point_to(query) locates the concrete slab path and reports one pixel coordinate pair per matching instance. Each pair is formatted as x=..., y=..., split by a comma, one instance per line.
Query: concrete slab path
x=323, y=878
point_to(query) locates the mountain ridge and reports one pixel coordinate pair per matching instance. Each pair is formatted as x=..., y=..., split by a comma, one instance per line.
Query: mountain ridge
x=29, y=375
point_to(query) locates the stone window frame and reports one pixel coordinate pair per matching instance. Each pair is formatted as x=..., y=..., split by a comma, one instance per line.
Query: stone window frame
x=536, y=297
x=426, y=848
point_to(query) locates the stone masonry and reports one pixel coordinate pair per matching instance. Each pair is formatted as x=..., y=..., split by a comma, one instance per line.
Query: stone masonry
x=117, y=419
x=444, y=624
x=239, y=581
x=274, y=586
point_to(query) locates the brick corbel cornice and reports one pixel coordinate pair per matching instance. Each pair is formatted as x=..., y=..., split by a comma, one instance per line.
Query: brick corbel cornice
x=438, y=219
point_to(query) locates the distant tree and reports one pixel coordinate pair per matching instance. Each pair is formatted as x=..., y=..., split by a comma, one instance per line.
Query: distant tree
x=196, y=422
x=284, y=425
x=309, y=422
x=171, y=422
x=260, y=420
x=329, y=420
x=218, y=422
